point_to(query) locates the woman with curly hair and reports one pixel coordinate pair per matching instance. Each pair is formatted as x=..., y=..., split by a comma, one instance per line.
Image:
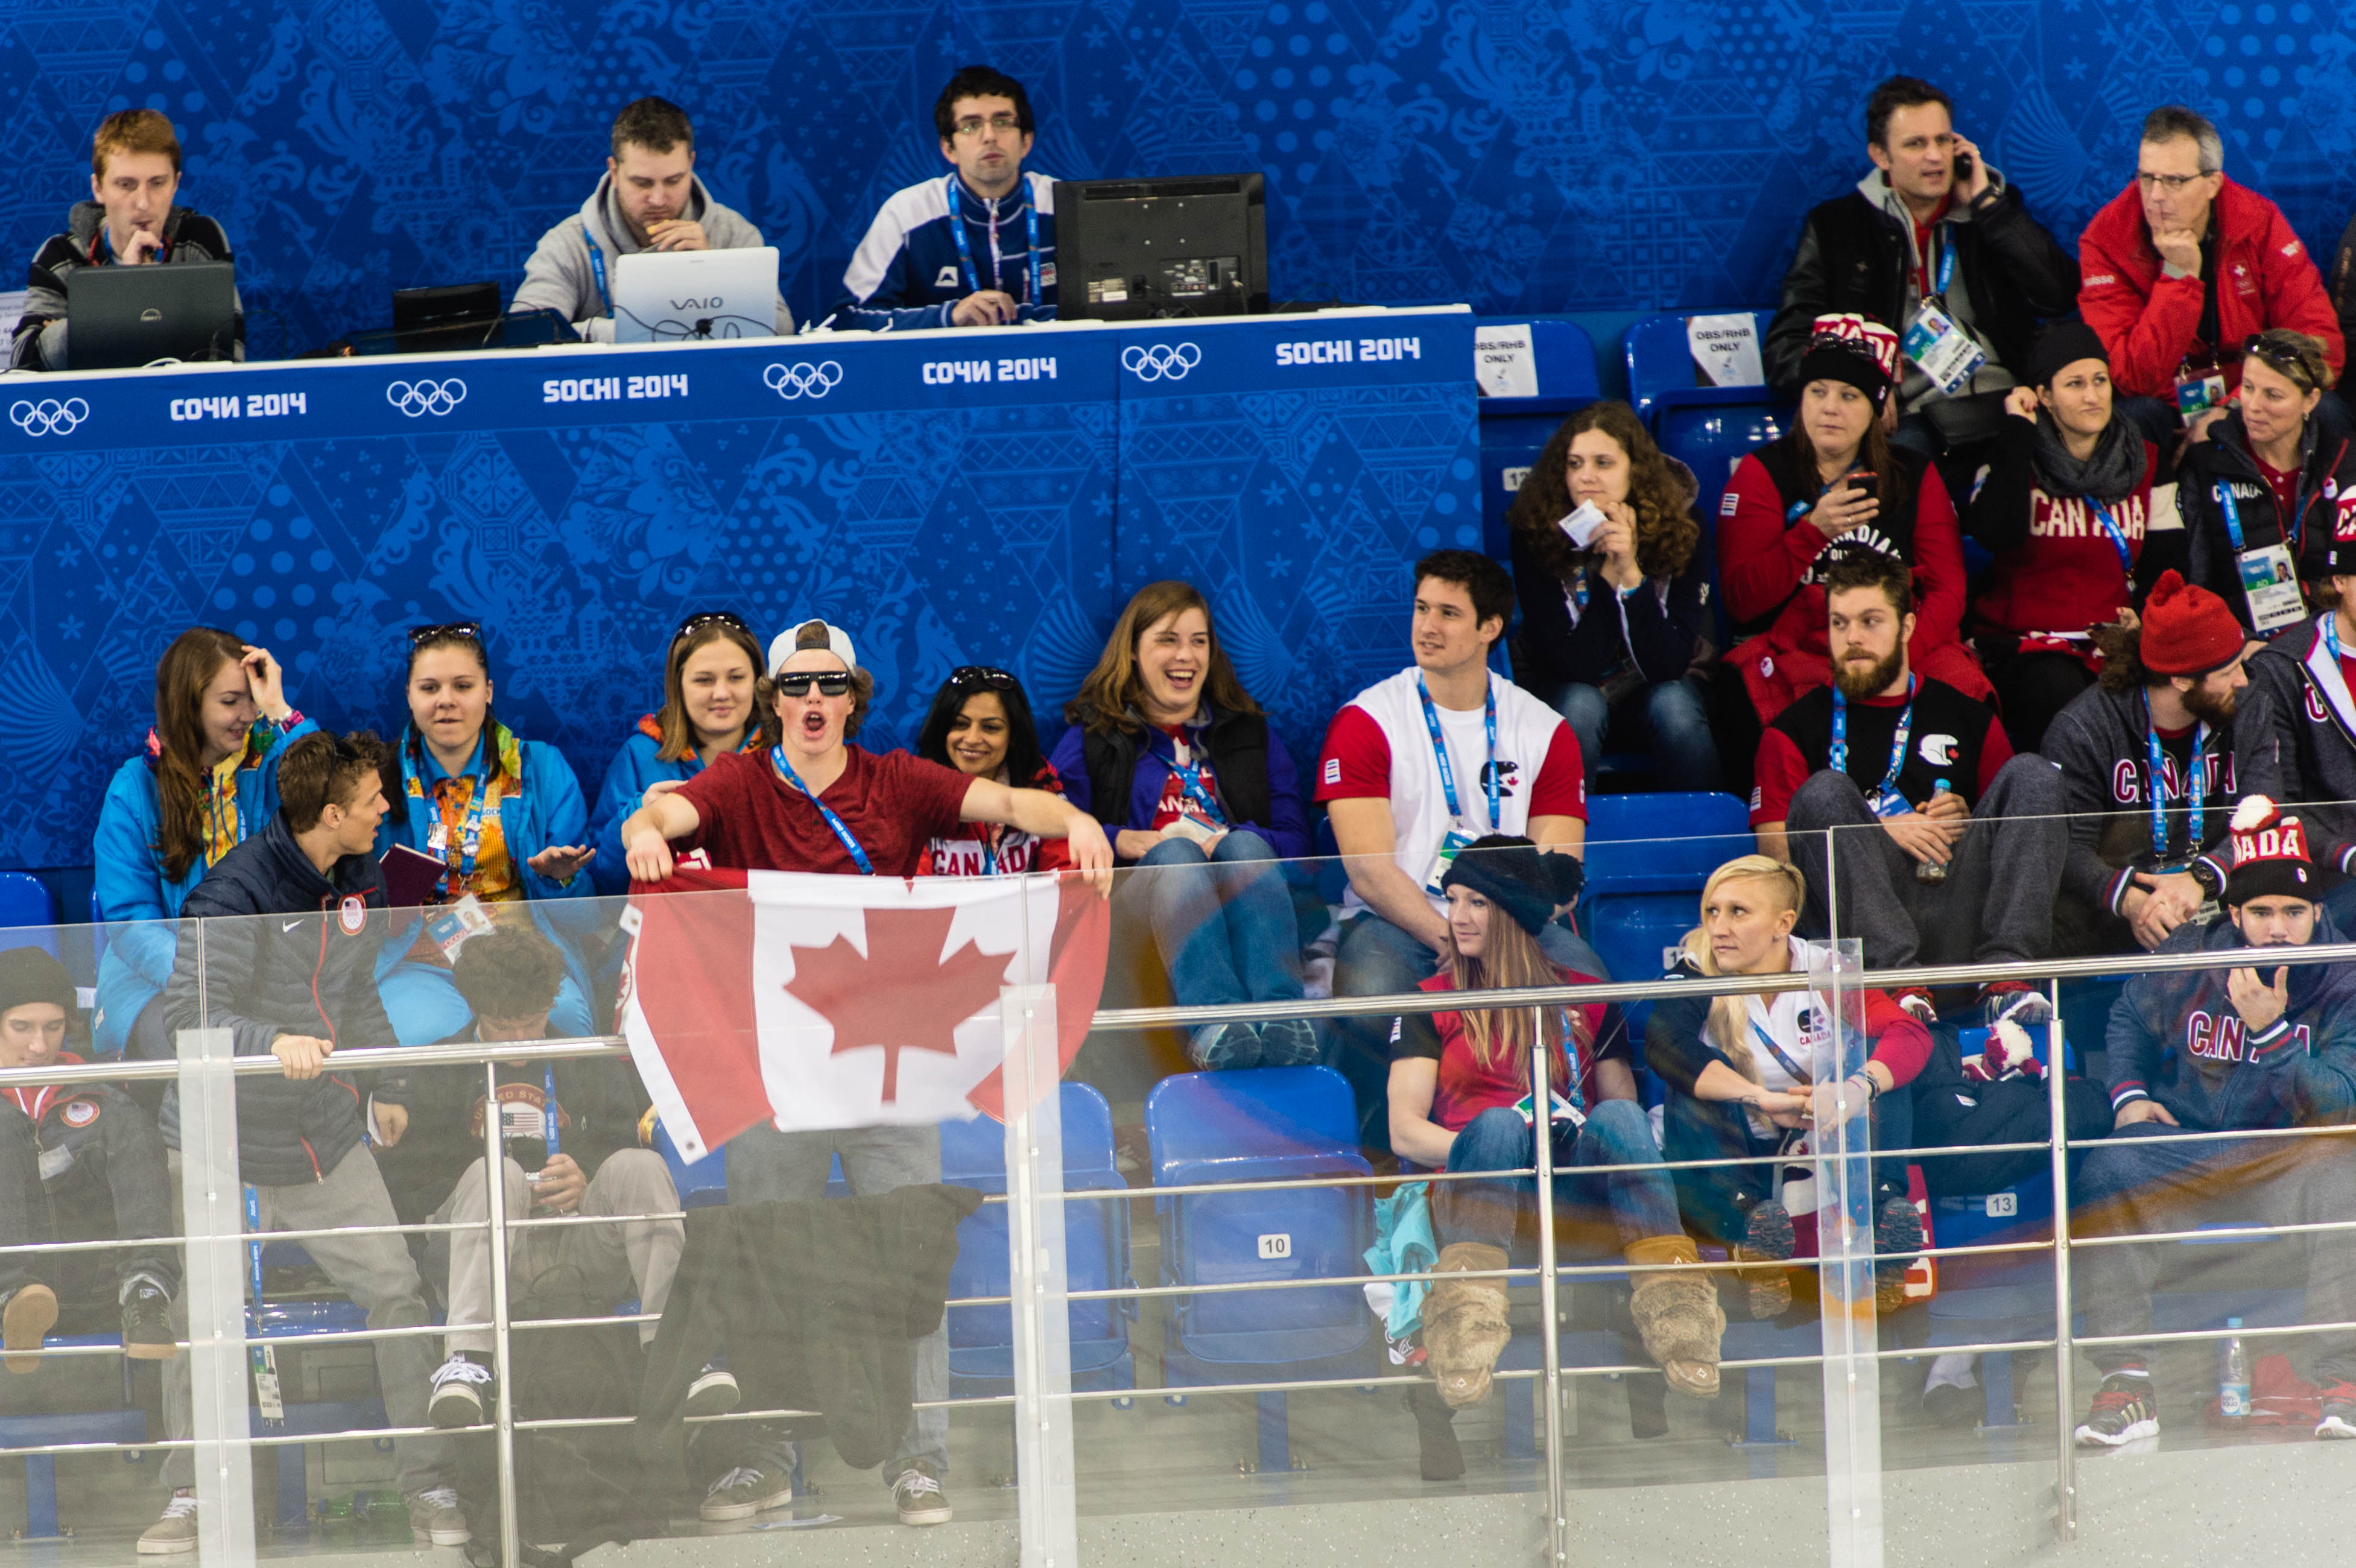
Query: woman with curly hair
x=1615, y=600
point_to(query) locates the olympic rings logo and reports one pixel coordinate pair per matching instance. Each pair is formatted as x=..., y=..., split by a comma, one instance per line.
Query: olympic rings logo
x=791, y=381
x=1161, y=362
x=416, y=398
x=49, y=417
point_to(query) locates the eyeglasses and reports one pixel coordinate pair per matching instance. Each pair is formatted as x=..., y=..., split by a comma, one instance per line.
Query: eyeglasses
x=829, y=684
x=472, y=631
x=966, y=677
x=710, y=618
x=2171, y=184
x=974, y=125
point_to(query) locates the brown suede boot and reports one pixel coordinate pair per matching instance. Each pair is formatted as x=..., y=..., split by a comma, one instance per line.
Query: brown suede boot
x=1465, y=1326
x=1677, y=1313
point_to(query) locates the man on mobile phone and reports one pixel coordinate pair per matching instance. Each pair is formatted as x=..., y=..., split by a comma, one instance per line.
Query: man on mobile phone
x=1936, y=246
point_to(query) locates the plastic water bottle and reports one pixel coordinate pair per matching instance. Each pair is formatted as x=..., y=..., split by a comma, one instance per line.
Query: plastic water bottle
x=2233, y=1377
x=1933, y=871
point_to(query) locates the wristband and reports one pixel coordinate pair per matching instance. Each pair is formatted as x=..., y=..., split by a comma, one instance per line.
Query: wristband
x=1872, y=1089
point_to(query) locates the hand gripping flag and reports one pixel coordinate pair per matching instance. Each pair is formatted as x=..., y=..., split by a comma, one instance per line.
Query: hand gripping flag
x=814, y=1001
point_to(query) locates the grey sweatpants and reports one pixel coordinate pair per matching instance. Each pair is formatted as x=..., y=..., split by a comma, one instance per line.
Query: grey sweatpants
x=766, y=1166
x=375, y=1271
x=2132, y=1186
x=1997, y=903
x=631, y=1256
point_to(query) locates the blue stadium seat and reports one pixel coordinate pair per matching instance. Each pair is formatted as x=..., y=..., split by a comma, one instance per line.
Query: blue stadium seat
x=702, y=1184
x=1267, y=1125
x=1096, y=1250
x=1647, y=858
x=1514, y=431
x=1708, y=428
x=29, y=915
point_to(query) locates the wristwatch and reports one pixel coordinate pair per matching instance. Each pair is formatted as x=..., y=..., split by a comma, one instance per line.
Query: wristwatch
x=2205, y=872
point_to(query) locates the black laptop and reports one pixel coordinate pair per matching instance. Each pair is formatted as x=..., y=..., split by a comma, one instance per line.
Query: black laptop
x=119, y=316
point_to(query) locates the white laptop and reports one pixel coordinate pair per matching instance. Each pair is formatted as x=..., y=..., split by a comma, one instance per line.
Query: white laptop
x=678, y=296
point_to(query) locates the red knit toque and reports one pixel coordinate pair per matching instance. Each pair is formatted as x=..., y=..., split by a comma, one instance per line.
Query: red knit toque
x=2187, y=630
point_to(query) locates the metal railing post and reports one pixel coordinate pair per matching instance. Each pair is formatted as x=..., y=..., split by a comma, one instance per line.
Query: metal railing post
x=2065, y=1449
x=1542, y=1121
x=212, y=1217
x=1047, y=1502
x=1846, y=1235
x=494, y=1191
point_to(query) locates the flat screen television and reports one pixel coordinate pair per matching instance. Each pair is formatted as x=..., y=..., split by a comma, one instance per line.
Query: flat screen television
x=1182, y=245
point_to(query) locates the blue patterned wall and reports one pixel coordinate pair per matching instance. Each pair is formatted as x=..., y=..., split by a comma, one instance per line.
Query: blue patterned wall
x=1588, y=154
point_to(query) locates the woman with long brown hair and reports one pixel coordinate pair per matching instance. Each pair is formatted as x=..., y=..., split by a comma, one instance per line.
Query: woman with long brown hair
x=1461, y=1099
x=710, y=707
x=1170, y=752
x=1615, y=600
x=1755, y=1076
x=206, y=781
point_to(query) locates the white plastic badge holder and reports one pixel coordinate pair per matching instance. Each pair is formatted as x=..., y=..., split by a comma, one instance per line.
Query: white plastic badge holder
x=1944, y=351
x=1888, y=802
x=451, y=929
x=2198, y=391
x=2271, y=584
x=1582, y=524
x=1457, y=839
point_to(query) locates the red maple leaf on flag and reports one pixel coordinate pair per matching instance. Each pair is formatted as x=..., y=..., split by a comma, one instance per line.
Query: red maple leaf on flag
x=901, y=994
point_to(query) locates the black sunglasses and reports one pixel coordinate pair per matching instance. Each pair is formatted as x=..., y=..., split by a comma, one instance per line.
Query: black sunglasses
x=472, y=631
x=2281, y=356
x=710, y=618
x=829, y=684
x=966, y=677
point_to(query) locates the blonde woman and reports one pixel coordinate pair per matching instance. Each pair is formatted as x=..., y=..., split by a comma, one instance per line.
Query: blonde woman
x=1747, y=1077
x=1460, y=1099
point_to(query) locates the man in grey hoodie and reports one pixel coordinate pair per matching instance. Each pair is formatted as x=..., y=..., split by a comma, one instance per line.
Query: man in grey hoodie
x=650, y=199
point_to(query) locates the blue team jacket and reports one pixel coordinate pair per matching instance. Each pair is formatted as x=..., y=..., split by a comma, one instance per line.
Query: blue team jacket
x=907, y=272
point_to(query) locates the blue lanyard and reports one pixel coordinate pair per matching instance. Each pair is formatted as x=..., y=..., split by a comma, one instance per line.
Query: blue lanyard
x=470, y=837
x=2196, y=785
x=2232, y=513
x=597, y=266
x=1576, y=1074
x=1768, y=1040
x=2119, y=535
x=216, y=800
x=1440, y=753
x=988, y=855
x=965, y=246
x=548, y=1110
x=1897, y=745
x=254, y=1249
x=843, y=832
x=1190, y=780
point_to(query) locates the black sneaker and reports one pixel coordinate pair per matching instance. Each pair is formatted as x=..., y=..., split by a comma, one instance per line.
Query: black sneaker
x=463, y=1394
x=1288, y=1043
x=1224, y=1048
x=1768, y=1239
x=2339, y=1411
x=2123, y=1411
x=148, y=1324
x=1897, y=1239
x=713, y=1391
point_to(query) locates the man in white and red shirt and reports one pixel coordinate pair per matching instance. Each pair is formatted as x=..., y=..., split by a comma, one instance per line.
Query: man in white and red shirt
x=1417, y=766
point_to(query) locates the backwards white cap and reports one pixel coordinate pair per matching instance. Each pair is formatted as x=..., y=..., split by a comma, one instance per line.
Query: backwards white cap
x=837, y=642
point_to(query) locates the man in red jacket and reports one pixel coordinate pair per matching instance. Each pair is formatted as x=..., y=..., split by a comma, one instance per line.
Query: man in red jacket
x=2182, y=268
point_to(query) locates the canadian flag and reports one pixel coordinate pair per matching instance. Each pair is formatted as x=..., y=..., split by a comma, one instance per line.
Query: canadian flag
x=823, y=1001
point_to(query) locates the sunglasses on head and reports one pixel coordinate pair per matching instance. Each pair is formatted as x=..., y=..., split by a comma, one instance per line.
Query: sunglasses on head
x=470, y=630
x=830, y=683
x=2281, y=356
x=967, y=677
x=710, y=618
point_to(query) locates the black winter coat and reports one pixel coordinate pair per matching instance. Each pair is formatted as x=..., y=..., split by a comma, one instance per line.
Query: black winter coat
x=282, y=950
x=2326, y=457
x=817, y=1306
x=1853, y=256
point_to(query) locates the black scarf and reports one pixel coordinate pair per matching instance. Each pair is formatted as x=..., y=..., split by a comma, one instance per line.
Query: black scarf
x=2114, y=470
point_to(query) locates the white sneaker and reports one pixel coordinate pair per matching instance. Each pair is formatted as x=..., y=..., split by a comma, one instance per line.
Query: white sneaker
x=919, y=1498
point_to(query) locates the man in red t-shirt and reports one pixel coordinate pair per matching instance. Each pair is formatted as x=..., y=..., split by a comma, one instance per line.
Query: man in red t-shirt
x=814, y=803
x=1971, y=840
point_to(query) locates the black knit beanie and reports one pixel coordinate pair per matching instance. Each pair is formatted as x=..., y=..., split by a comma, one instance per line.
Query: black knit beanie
x=28, y=975
x=1517, y=877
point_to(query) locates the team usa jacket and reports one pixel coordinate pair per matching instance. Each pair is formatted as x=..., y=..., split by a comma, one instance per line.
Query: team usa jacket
x=909, y=272
x=2176, y=1038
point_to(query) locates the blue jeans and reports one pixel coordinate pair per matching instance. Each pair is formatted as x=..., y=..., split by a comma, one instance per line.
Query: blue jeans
x=1376, y=958
x=1604, y=1213
x=1223, y=923
x=1684, y=755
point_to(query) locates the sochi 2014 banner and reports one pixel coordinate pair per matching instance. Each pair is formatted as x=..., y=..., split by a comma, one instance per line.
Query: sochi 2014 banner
x=819, y=1001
